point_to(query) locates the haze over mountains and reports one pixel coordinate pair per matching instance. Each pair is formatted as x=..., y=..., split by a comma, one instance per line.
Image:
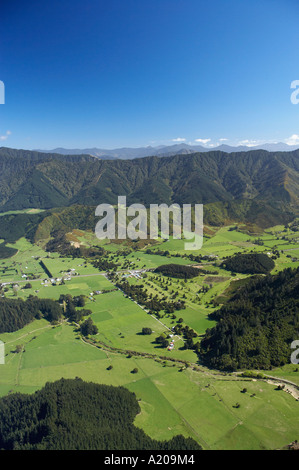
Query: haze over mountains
x=164, y=150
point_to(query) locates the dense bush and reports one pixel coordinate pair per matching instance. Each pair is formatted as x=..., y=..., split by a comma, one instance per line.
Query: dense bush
x=249, y=263
x=75, y=415
x=16, y=313
x=88, y=328
x=257, y=325
x=178, y=271
x=6, y=251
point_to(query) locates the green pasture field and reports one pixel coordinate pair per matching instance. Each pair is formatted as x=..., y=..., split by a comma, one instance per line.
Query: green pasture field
x=76, y=286
x=150, y=261
x=27, y=261
x=196, y=317
x=58, y=266
x=196, y=404
x=114, y=314
x=120, y=322
x=196, y=313
x=283, y=264
x=288, y=372
x=23, y=262
x=88, y=238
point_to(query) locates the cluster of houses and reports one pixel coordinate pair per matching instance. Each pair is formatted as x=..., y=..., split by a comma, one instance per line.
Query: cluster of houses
x=135, y=273
x=56, y=280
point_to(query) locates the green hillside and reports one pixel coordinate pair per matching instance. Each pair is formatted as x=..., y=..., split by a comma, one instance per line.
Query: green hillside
x=256, y=186
x=257, y=325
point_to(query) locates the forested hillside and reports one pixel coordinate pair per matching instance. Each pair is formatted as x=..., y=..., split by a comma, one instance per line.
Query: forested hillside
x=232, y=186
x=75, y=415
x=257, y=325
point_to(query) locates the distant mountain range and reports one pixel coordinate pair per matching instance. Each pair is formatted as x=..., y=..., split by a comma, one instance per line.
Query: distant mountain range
x=255, y=186
x=128, y=153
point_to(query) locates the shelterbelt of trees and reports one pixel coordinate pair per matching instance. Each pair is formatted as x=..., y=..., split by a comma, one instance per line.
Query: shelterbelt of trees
x=139, y=294
x=257, y=325
x=76, y=415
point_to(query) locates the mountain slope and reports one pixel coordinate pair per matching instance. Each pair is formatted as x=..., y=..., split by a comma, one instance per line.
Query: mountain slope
x=257, y=325
x=268, y=182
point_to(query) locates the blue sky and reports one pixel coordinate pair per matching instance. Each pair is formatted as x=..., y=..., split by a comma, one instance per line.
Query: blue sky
x=114, y=73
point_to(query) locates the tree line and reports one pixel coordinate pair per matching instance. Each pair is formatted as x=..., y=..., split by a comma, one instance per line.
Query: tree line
x=153, y=304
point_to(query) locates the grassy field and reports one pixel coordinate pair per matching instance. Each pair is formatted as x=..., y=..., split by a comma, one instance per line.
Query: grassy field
x=196, y=404
x=76, y=286
x=24, y=262
x=59, y=266
x=27, y=261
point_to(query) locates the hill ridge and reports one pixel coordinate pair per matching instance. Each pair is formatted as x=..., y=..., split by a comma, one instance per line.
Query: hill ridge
x=46, y=181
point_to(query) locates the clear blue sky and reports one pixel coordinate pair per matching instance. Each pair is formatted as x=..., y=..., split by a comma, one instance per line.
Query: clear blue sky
x=112, y=73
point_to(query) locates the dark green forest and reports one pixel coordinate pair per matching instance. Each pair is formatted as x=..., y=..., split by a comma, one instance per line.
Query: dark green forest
x=15, y=226
x=16, y=313
x=256, y=326
x=6, y=251
x=178, y=271
x=249, y=263
x=76, y=415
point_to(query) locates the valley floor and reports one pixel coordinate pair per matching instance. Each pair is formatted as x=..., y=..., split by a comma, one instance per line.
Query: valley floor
x=177, y=394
